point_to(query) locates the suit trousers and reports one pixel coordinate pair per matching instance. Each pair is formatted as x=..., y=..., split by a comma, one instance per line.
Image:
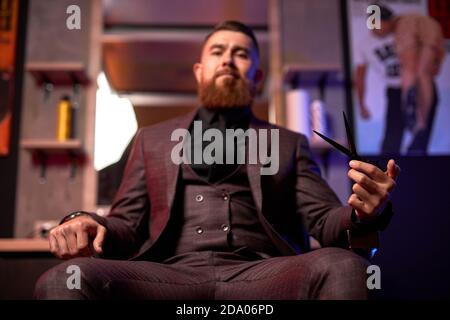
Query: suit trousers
x=327, y=273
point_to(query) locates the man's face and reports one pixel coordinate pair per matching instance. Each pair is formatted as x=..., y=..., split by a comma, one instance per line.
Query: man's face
x=228, y=73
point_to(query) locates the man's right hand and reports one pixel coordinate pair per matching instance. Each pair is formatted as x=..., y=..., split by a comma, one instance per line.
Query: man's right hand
x=79, y=237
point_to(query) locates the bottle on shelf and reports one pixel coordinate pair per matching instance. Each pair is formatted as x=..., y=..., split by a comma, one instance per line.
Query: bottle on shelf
x=64, y=129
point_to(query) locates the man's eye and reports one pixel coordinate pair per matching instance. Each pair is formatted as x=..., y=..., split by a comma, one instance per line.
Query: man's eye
x=216, y=53
x=243, y=55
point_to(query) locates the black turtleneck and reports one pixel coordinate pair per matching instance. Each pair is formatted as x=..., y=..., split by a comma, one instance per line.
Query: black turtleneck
x=221, y=119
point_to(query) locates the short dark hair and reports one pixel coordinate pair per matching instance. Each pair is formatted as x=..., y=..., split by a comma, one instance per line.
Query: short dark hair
x=385, y=12
x=232, y=25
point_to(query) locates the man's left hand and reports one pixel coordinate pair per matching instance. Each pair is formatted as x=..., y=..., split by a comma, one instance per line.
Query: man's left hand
x=372, y=187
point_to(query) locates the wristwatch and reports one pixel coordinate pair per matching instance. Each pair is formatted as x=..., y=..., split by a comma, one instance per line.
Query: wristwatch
x=73, y=215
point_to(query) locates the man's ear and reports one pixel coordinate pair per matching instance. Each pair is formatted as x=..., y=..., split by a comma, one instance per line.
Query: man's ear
x=197, y=68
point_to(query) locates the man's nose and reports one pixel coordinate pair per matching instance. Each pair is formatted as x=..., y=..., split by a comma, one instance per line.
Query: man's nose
x=227, y=59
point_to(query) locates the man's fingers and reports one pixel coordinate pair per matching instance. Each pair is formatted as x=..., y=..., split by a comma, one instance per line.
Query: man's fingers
x=53, y=244
x=393, y=170
x=71, y=239
x=99, y=239
x=372, y=185
x=63, y=250
x=363, y=209
x=83, y=242
x=355, y=202
x=368, y=169
x=363, y=180
x=362, y=193
x=371, y=201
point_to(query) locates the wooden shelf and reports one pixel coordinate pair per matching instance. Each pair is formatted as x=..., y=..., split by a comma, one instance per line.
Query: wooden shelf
x=52, y=152
x=52, y=146
x=59, y=73
x=24, y=245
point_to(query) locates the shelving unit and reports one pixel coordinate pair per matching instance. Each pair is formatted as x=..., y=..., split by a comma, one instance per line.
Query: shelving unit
x=50, y=151
x=58, y=73
x=58, y=62
x=50, y=146
x=307, y=76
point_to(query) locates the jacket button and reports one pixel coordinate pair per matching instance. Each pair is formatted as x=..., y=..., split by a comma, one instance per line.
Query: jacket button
x=225, y=227
x=225, y=197
x=199, y=198
x=199, y=230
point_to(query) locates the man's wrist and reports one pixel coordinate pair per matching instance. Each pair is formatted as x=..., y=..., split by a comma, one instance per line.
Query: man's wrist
x=356, y=218
x=378, y=221
x=73, y=215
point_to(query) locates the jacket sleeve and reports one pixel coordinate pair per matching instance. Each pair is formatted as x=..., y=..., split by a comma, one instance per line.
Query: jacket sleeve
x=325, y=218
x=127, y=222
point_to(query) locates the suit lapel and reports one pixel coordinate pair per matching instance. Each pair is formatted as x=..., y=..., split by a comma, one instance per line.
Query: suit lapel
x=171, y=168
x=254, y=170
x=254, y=177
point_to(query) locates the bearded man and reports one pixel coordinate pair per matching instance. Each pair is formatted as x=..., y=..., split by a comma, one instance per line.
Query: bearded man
x=222, y=231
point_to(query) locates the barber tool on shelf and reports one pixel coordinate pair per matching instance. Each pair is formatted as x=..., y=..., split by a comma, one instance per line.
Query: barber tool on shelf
x=64, y=129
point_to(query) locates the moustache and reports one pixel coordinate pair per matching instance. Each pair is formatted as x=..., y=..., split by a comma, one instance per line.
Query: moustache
x=227, y=72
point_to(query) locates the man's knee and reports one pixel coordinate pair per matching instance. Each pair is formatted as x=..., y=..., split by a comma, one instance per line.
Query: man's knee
x=64, y=280
x=338, y=274
x=341, y=262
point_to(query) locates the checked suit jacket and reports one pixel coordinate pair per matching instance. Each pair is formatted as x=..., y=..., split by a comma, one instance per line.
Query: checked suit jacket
x=292, y=204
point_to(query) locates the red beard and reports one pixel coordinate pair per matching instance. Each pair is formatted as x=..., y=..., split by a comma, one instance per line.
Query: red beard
x=234, y=93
